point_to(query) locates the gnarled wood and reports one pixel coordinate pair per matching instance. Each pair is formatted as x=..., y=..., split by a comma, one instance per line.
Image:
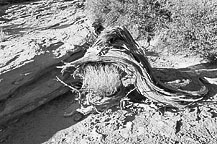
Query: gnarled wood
x=116, y=46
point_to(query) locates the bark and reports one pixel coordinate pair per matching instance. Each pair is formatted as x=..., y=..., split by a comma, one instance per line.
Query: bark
x=116, y=46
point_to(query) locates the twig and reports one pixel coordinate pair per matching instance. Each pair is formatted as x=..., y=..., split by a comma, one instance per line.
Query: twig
x=130, y=91
x=73, y=89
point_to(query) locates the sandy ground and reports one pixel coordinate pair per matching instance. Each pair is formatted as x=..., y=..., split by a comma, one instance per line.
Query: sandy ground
x=142, y=123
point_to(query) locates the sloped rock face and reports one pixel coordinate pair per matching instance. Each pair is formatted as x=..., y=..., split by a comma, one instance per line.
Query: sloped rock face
x=38, y=37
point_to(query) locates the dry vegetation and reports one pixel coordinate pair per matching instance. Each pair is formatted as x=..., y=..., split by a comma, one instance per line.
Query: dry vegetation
x=101, y=79
x=187, y=27
x=142, y=18
x=194, y=27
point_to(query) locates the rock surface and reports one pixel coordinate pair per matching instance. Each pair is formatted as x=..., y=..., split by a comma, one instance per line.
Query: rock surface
x=39, y=36
x=42, y=34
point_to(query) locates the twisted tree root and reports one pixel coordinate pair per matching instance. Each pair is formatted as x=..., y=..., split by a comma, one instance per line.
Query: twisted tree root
x=115, y=46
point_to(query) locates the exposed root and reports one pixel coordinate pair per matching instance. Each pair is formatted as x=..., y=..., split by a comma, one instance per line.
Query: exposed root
x=115, y=62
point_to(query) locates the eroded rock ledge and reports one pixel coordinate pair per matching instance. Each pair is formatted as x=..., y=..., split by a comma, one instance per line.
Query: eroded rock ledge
x=33, y=48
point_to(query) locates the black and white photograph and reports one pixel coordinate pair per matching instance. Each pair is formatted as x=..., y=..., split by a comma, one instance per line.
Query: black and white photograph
x=108, y=71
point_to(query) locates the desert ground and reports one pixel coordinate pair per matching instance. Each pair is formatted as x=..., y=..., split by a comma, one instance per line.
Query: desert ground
x=38, y=36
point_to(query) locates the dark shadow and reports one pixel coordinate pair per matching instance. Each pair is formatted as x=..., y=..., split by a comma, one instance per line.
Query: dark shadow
x=41, y=124
x=9, y=2
x=191, y=78
x=3, y=19
x=152, y=53
x=178, y=126
x=194, y=73
x=15, y=30
x=214, y=115
x=10, y=61
x=51, y=47
x=77, y=52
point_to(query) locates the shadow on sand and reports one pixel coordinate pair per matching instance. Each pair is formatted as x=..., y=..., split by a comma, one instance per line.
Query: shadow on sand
x=41, y=124
x=192, y=78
